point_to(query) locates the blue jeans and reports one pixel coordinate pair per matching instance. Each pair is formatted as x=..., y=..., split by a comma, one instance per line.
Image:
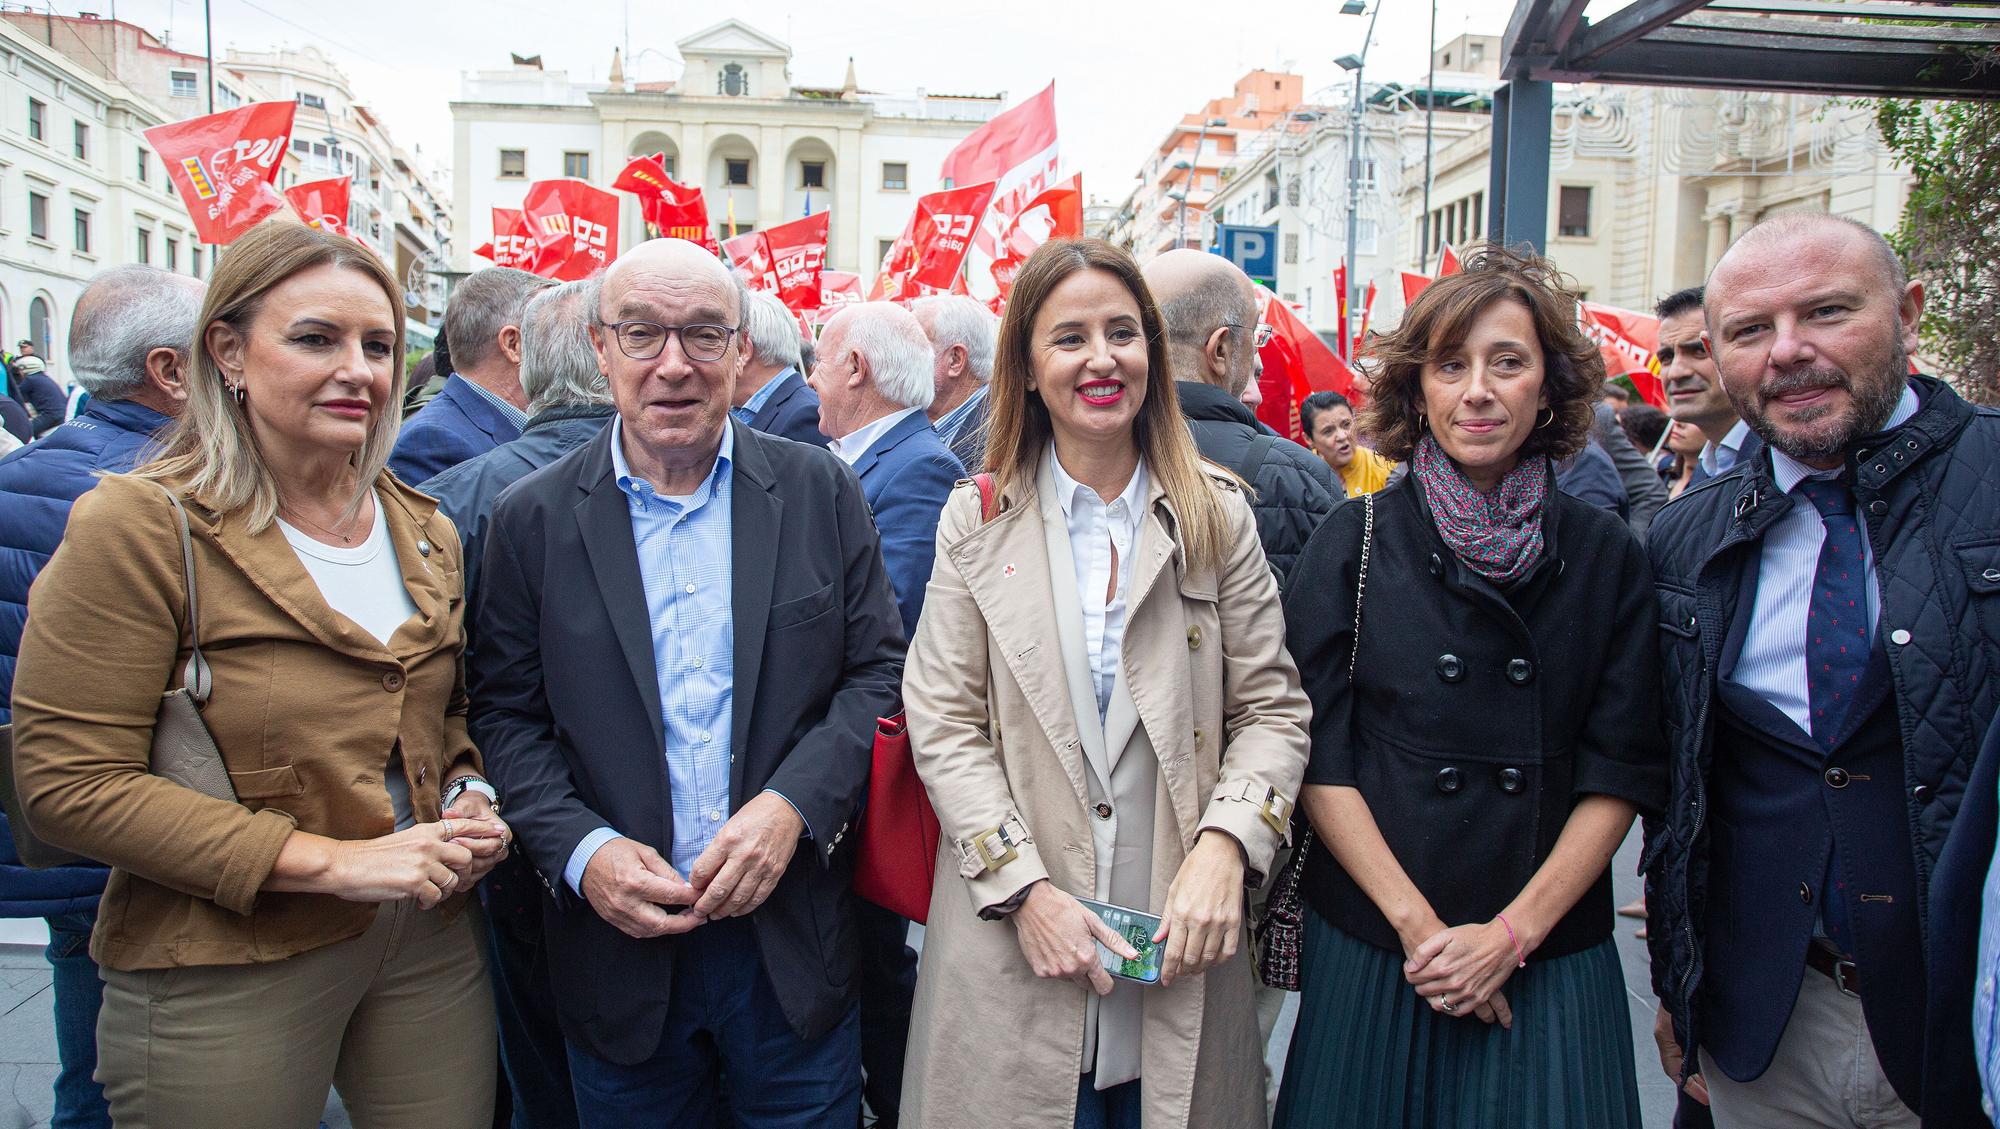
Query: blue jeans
x=723, y=1021
x=1117, y=1108
x=78, y=993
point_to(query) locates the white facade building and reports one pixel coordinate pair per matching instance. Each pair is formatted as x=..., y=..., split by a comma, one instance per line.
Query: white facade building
x=734, y=125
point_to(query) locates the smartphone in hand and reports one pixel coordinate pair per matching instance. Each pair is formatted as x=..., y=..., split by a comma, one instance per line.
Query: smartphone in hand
x=1138, y=928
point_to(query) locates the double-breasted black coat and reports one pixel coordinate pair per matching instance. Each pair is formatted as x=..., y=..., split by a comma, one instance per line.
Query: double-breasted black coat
x=1477, y=717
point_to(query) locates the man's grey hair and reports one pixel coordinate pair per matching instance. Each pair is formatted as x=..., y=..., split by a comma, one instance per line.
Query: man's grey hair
x=899, y=355
x=954, y=319
x=771, y=329
x=558, y=365
x=1197, y=312
x=481, y=306
x=125, y=313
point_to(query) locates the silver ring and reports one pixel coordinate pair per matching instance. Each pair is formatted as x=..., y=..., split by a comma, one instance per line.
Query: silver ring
x=447, y=829
x=452, y=884
x=1447, y=1005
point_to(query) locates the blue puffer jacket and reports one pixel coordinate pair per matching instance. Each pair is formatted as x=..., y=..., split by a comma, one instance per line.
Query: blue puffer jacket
x=38, y=484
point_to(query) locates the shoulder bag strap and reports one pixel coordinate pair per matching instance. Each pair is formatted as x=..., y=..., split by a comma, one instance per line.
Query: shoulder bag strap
x=1253, y=459
x=1361, y=584
x=989, y=506
x=195, y=675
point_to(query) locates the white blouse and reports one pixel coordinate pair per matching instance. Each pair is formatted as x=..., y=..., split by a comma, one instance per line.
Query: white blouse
x=1095, y=529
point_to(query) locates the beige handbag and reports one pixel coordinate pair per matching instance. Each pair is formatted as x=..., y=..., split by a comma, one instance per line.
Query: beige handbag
x=183, y=749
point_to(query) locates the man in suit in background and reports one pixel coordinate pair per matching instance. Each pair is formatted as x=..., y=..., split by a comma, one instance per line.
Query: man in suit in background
x=482, y=404
x=771, y=393
x=685, y=635
x=1695, y=394
x=874, y=379
x=963, y=335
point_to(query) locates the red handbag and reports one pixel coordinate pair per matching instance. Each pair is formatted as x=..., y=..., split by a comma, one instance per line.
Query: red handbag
x=896, y=864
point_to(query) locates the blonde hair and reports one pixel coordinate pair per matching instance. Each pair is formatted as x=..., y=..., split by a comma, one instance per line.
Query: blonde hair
x=1019, y=429
x=211, y=449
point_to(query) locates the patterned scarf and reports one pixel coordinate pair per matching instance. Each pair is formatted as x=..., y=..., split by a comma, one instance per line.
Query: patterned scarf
x=1497, y=535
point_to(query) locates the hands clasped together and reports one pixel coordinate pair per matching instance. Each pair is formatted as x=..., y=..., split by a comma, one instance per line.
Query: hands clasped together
x=631, y=886
x=1459, y=970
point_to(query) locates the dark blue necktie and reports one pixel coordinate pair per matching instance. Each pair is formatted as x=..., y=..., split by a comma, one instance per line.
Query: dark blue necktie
x=1837, y=618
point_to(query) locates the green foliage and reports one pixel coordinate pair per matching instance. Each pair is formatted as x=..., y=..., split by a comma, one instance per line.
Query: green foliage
x=1950, y=234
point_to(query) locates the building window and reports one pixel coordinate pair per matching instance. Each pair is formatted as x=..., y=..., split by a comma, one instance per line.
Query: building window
x=226, y=98
x=312, y=101
x=194, y=260
x=145, y=246
x=513, y=164
x=1573, y=212
x=82, y=232
x=895, y=176
x=37, y=117
x=1291, y=247
x=882, y=249
x=38, y=216
x=1478, y=214
x=736, y=172
x=82, y=135
x=38, y=323
x=812, y=174
x=576, y=165
x=1364, y=237
x=732, y=81
x=184, y=84
x=669, y=164
x=144, y=165
x=173, y=254
x=1292, y=191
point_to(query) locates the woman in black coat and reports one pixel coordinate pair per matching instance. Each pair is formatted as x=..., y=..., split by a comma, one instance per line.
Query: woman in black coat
x=1482, y=750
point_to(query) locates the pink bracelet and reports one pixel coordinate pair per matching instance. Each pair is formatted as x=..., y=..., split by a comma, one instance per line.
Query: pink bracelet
x=1523, y=957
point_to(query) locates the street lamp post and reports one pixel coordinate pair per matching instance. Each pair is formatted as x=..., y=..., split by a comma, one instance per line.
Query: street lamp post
x=1187, y=186
x=1355, y=63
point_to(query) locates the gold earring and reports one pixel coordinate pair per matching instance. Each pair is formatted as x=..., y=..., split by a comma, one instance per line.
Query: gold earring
x=1551, y=419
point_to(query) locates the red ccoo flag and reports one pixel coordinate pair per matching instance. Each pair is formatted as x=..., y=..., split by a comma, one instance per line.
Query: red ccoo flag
x=224, y=164
x=1055, y=214
x=798, y=256
x=1017, y=151
x=1628, y=340
x=574, y=227
x=1297, y=363
x=751, y=254
x=322, y=203
x=942, y=233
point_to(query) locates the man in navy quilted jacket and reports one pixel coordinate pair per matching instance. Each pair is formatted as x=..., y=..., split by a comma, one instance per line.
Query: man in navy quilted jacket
x=129, y=341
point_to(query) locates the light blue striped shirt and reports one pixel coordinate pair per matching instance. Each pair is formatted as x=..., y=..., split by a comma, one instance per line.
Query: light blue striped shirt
x=951, y=421
x=759, y=398
x=1773, y=660
x=685, y=567
x=514, y=415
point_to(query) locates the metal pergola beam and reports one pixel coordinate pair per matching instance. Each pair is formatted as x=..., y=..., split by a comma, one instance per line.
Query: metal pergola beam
x=1966, y=13
x=1624, y=26
x=1885, y=64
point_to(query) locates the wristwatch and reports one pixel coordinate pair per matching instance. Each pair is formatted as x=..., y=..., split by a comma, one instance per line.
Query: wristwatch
x=463, y=784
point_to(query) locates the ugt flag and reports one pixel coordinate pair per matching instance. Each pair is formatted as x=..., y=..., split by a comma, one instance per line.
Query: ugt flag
x=1017, y=151
x=574, y=227
x=322, y=203
x=223, y=164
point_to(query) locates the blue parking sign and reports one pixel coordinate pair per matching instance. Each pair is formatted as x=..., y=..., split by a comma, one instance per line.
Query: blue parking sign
x=1255, y=249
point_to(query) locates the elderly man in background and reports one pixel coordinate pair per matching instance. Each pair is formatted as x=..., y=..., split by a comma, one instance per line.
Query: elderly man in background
x=962, y=333
x=874, y=379
x=771, y=393
x=482, y=404
x=129, y=342
x=683, y=635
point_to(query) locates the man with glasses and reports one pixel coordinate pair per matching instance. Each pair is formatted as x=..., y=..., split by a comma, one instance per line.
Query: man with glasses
x=685, y=636
x=1210, y=309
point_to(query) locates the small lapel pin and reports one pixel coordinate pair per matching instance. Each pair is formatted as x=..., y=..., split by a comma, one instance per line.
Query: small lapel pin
x=1008, y=571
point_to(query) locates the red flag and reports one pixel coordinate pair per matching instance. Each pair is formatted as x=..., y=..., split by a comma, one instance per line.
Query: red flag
x=839, y=288
x=798, y=254
x=1367, y=308
x=322, y=203
x=574, y=227
x=1346, y=348
x=1055, y=214
x=1297, y=363
x=1628, y=339
x=1448, y=262
x=511, y=246
x=683, y=214
x=1413, y=285
x=894, y=277
x=942, y=233
x=224, y=164
x=751, y=254
x=646, y=178
x=1017, y=151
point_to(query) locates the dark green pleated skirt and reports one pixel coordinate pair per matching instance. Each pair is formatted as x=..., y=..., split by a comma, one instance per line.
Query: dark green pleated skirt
x=1369, y=1053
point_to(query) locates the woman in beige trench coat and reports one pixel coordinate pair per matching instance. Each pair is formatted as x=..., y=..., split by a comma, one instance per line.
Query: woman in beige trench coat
x=1101, y=706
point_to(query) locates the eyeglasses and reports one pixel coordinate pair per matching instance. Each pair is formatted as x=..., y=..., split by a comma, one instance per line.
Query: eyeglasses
x=1260, y=337
x=644, y=340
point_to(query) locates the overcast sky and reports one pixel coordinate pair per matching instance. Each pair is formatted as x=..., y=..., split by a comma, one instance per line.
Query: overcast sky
x=1124, y=71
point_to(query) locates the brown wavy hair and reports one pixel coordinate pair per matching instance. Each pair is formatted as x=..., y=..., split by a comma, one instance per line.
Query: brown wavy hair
x=1441, y=318
x=1019, y=429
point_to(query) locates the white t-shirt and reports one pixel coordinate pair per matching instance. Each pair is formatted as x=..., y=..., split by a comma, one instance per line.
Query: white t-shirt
x=365, y=584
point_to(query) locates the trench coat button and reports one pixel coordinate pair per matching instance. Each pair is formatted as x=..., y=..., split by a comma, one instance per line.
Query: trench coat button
x=392, y=681
x=1805, y=893
x=1836, y=777
x=1194, y=638
x=1450, y=668
x=1899, y=637
x=1102, y=809
x=1921, y=793
x=1447, y=780
x=1519, y=671
x=423, y=548
x=1512, y=781
x=1877, y=508
x=1437, y=565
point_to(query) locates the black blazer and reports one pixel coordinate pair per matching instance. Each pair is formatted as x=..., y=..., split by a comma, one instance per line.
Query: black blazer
x=792, y=411
x=1477, y=718
x=566, y=708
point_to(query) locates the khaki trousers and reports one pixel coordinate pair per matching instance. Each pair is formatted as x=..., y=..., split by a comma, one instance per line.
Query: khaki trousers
x=1824, y=1076
x=399, y=1019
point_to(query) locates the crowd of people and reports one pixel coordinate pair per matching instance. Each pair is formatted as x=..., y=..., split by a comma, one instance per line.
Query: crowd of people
x=540, y=723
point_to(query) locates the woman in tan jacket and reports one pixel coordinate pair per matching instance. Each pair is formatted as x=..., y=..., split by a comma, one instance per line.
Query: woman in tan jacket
x=1101, y=707
x=308, y=933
